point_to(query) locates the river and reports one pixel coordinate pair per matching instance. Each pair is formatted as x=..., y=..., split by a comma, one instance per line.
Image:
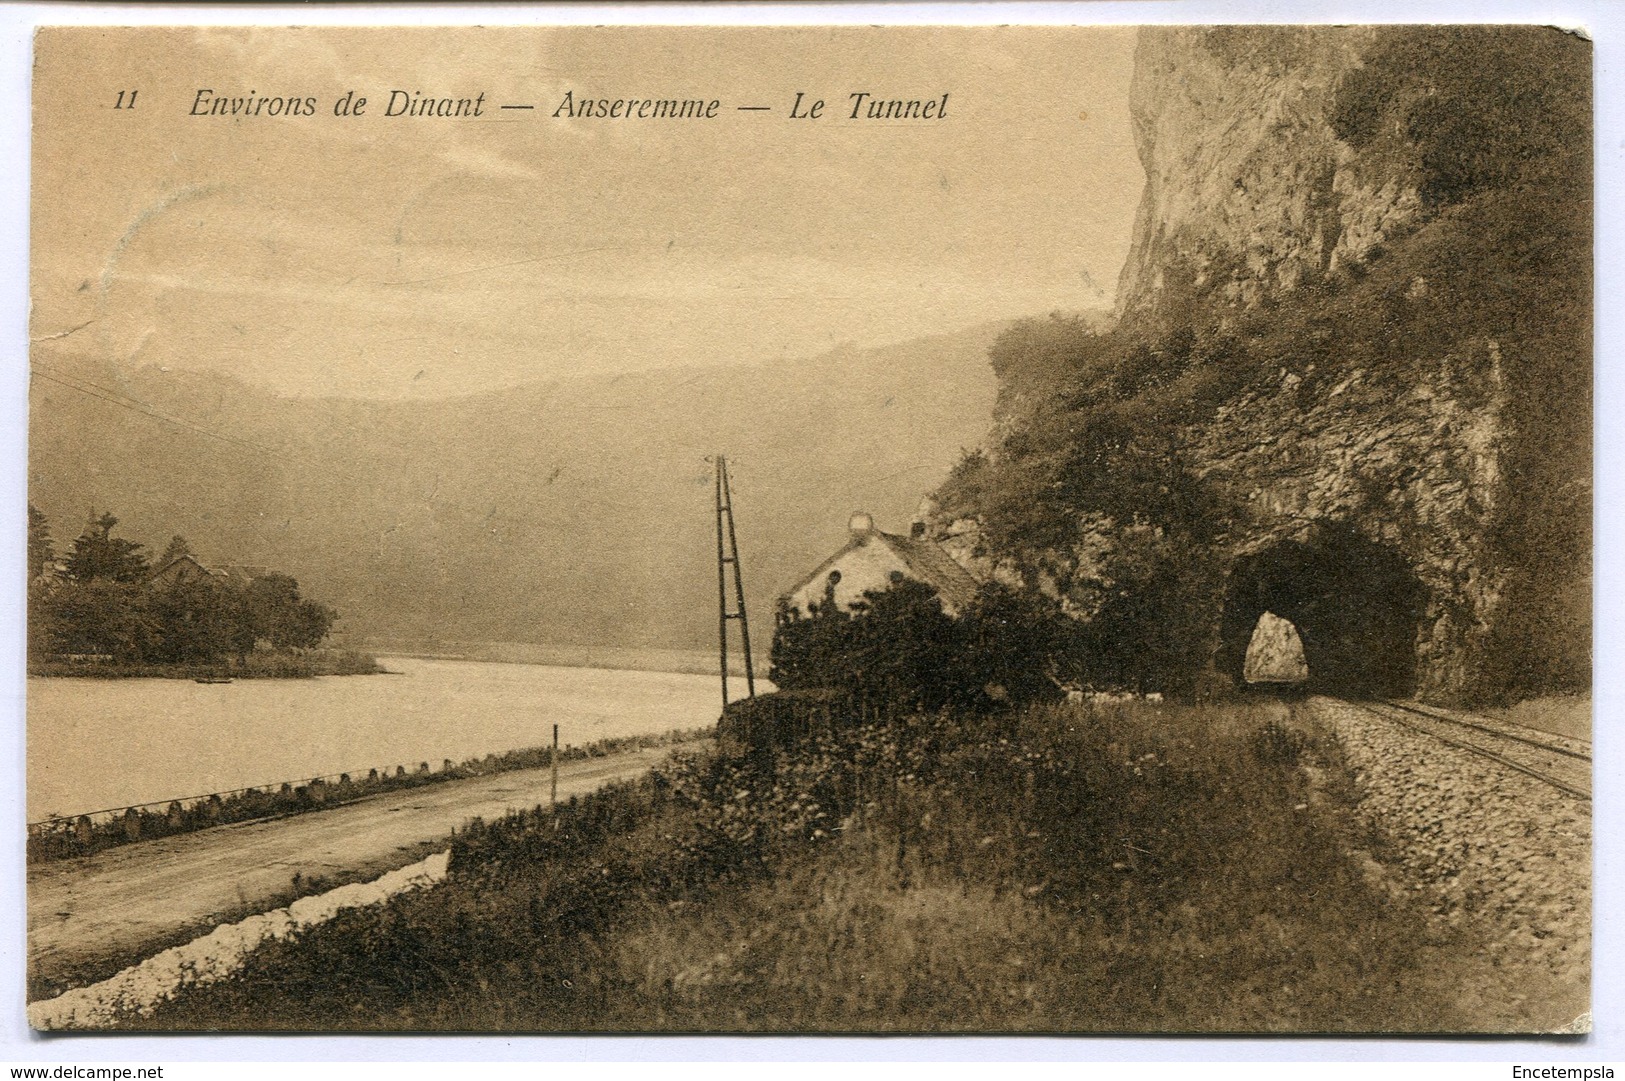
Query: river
x=100, y=743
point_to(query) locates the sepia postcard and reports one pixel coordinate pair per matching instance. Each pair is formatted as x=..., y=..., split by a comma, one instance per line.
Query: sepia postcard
x=820, y=529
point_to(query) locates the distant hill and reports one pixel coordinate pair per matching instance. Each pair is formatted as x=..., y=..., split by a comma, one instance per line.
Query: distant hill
x=573, y=512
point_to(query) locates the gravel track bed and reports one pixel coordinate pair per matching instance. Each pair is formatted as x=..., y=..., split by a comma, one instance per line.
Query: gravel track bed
x=1477, y=840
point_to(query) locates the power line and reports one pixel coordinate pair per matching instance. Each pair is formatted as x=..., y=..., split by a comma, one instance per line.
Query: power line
x=137, y=406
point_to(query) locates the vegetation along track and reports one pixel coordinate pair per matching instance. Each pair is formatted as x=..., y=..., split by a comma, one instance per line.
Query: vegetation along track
x=1560, y=761
x=1489, y=832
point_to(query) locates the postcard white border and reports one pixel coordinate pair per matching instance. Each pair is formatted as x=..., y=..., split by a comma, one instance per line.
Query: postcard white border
x=19, y=1046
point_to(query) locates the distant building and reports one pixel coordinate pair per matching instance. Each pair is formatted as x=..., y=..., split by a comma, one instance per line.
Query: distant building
x=872, y=560
x=178, y=570
x=187, y=569
x=240, y=575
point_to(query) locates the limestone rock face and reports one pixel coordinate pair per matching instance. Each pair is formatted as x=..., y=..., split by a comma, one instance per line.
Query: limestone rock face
x=1404, y=428
x=1420, y=474
x=1248, y=193
x=1247, y=187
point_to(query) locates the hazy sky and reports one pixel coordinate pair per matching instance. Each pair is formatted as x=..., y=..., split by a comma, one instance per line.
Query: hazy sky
x=402, y=256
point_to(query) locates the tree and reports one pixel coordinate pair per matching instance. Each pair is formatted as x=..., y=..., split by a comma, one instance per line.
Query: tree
x=1013, y=640
x=1153, y=602
x=106, y=604
x=98, y=554
x=103, y=616
x=898, y=648
x=906, y=651
x=41, y=583
x=276, y=613
x=176, y=548
x=270, y=602
x=310, y=623
x=195, y=620
x=41, y=552
x=1528, y=124
x=806, y=652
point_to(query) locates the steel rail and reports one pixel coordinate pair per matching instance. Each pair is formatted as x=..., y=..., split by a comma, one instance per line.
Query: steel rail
x=1484, y=752
x=1541, y=743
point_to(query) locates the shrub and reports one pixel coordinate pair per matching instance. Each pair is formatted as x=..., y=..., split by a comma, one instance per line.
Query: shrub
x=1060, y=869
x=900, y=653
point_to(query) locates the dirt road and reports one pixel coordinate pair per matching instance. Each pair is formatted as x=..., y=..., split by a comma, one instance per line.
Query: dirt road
x=87, y=918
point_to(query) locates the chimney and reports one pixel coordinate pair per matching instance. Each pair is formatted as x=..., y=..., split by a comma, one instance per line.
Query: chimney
x=861, y=523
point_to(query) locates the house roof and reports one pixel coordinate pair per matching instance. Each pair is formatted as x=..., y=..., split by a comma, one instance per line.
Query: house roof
x=237, y=575
x=926, y=562
x=187, y=558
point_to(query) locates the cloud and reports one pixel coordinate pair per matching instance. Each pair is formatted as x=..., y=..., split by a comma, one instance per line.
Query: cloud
x=292, y=253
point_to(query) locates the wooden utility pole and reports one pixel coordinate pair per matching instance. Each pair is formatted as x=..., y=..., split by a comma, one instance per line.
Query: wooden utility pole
x=728, y=554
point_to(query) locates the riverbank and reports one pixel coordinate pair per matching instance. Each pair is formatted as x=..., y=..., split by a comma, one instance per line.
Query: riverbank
x=1121, y=868
x=694, y=662
x=95, y=744
x=259, y=665
x=91, y=917
x=66, y=838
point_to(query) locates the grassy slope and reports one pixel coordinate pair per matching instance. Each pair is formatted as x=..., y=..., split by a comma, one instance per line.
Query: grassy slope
x=1064, y=870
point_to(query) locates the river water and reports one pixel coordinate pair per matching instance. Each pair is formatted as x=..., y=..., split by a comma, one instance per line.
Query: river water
x=100, y=743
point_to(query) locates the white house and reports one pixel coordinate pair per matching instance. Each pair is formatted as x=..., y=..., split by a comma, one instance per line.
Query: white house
x=872, y=560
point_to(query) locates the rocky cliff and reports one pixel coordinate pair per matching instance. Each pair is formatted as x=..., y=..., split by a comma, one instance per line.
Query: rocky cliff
x=1349, y=381
x=1248, y=189
x=1417, y=473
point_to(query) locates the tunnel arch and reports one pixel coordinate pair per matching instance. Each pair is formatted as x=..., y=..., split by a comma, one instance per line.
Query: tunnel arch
x=1356, y=605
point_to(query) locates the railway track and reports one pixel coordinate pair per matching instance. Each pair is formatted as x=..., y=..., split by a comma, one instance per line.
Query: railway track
x=1559, y=761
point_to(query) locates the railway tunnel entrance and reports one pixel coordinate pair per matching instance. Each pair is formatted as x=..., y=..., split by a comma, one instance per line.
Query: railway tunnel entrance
x=1353, y=607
